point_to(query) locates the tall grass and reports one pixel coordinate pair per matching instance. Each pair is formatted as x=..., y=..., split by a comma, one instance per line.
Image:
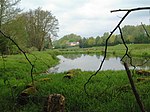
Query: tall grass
x=109, y=91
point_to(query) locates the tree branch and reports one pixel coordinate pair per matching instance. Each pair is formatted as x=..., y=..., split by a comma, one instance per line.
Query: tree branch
x=32, y=66
x=129, y=10
x=126, y=54
x=134, y=88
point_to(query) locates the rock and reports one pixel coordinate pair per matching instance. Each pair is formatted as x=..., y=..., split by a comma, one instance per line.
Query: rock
x=23, y=97
x=71, y=73
x=29, y=91
x=55, y=103
x=68, y=76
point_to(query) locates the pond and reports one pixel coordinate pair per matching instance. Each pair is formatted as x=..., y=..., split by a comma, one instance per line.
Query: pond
x=87, y=62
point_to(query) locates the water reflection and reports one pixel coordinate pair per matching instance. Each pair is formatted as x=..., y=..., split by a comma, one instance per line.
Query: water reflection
x=72, y=56
x=91, y=63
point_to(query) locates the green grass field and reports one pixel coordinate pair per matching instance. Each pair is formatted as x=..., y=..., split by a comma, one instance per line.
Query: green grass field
x=108, y=91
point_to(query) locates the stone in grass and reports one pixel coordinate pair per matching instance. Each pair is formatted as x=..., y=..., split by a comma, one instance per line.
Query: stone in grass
x=71, y=73
x=68, y=76
x=23, y=97
x=55, y=103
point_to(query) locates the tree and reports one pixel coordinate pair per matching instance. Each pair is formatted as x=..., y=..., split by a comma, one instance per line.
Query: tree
x=112, y=40
x=104, y=37
x=40, y=26
x=91, y=42
x=16, y=30
x=8, y=11
x=98, y=41
x=83, y=43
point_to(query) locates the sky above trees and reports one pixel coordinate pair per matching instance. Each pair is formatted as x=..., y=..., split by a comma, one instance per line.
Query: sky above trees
x=90, y=17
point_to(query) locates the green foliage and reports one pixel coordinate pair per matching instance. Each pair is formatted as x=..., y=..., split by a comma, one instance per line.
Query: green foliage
x=135, y=34
x=40, y=26
x=8, y=11
x=65, y=41
x=29, y=30
x=131, y=34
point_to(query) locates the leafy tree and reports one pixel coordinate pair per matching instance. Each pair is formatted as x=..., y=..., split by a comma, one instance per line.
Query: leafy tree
x=8, y=12
x=90, y=42
x=104, y=37
x=40, y=26
x=98, y=41
x=112, y=40
x=83, y=43
x=16, y=29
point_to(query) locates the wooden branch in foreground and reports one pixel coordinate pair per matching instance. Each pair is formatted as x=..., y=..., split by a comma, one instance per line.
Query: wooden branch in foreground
x=134, y=88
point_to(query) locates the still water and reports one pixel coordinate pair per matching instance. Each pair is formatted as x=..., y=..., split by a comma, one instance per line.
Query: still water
x=86, y=62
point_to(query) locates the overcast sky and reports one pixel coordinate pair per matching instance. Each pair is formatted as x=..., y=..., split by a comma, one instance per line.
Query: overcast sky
x=90, y=17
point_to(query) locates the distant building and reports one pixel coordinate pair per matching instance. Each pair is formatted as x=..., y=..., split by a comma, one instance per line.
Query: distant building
x=73, y=44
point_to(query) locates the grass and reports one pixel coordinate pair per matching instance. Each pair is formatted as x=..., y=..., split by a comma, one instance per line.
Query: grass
x=15, y=75
x=109, y=90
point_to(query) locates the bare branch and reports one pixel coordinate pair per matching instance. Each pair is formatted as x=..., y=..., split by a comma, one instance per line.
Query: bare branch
x=105, y=54
x=129, y=10
x=134, y=88
x=126, y=54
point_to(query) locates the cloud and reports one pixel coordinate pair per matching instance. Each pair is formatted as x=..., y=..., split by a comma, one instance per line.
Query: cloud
x=89, y=17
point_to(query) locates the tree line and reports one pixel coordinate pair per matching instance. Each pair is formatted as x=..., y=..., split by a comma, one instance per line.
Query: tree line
x=32, y=29
x=132, y=34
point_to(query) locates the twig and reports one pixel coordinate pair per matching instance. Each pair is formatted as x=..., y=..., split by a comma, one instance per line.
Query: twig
x=126, y=53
